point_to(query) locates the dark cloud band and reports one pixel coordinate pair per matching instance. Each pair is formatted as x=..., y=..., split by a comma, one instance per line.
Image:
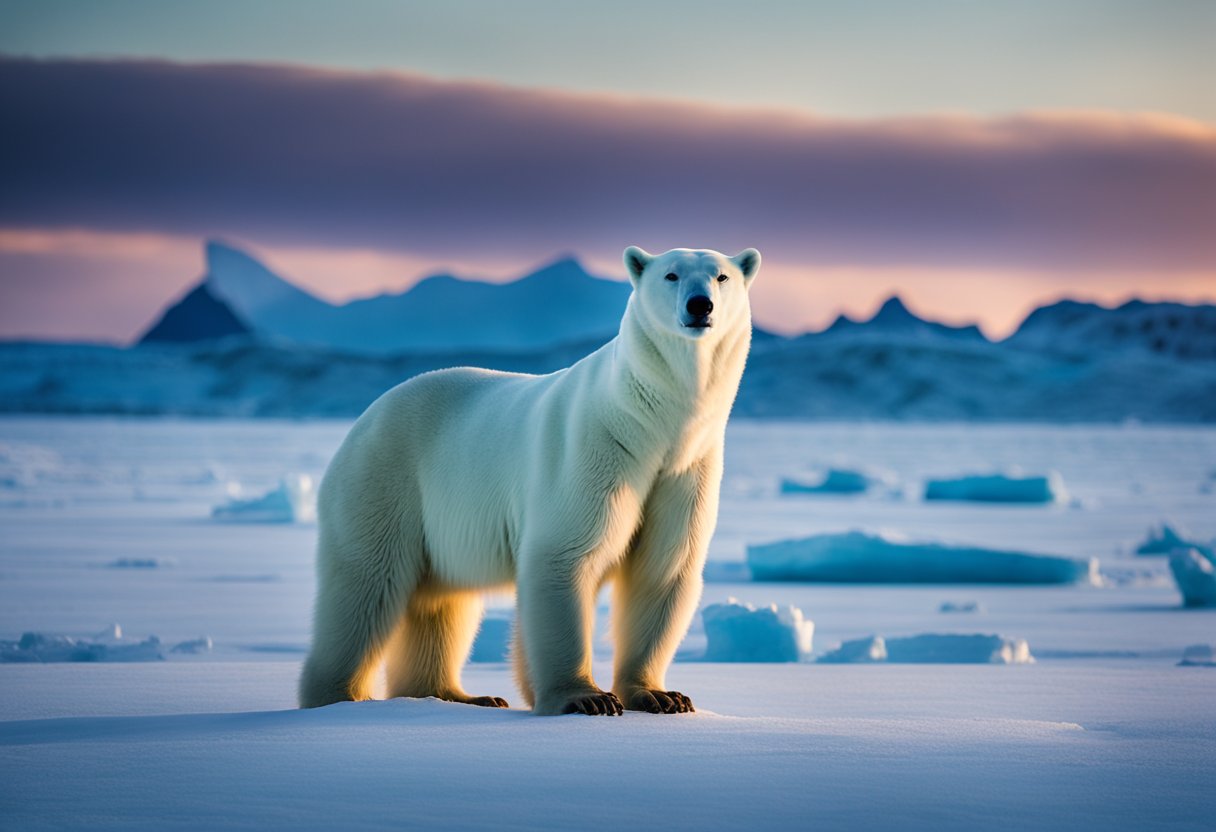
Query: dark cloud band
x=296, y=155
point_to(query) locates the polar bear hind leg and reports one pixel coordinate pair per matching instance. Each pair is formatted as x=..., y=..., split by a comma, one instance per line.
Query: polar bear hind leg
x=430, y=645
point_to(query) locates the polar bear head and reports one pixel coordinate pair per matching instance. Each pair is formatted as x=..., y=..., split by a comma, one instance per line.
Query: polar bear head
x=693, y=293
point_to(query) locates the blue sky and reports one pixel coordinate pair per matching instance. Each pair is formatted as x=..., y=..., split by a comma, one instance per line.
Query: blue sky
x=978, y=158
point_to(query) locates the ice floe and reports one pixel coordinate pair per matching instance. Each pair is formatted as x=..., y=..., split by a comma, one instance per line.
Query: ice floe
x=859, y=557
x=1195, y=574
x=999, y=488
x=736, y=632
x=293, y=501
x=933, y=648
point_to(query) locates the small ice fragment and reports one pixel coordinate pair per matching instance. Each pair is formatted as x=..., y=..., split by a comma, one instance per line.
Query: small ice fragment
x=858, y=651
x=294, y=501
x=202, y=644
x=738, y=632
x=960, y=606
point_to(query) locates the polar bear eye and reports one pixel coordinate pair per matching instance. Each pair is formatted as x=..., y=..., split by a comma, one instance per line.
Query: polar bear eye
x=672, y=276
x=721, y=278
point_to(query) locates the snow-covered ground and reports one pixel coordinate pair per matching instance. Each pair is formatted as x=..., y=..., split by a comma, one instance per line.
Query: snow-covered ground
x=109, y=520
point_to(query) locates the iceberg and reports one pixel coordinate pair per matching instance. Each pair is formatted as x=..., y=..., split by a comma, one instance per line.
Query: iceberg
x=1195, y=575
x=999, y=488
x=933, y=648
x=858, y=557
x=736, y=632
x=294, y=501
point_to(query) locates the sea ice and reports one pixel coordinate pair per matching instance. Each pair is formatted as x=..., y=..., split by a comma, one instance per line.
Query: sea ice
x=1195, y=575
x=493, y=640
x=999, y=488
x=736, y=632
x=858, y=557
x=47, y=647
x=294, y=501
x=1198, y=655
x=835, y=481
x=933, y=648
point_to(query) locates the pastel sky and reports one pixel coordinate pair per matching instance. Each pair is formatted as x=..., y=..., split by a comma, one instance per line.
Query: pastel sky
x=978, y=158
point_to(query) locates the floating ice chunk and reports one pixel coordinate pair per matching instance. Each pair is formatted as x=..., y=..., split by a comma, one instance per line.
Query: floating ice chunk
x=46, y=647
x=493, y=640
x=135, y=563
x=999, y=488
x=933, y=648
x=1163, y=539
x=1198, y=655
x=960, y=606
x=737, y=632
x=294, y=501
x=858, y=651
x=1195, y=575
x=858, y=557
x=833, y=481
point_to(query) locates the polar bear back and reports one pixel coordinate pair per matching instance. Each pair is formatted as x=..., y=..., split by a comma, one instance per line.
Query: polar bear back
x=471, y=453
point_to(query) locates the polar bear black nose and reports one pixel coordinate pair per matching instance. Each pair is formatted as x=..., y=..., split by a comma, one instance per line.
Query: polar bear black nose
x=699, y=305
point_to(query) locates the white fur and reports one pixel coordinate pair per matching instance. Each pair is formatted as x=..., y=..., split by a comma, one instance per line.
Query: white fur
x=462, y=480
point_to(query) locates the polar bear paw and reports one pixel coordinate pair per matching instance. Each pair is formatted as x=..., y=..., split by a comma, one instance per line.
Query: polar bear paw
x=659, y=702
x=487, y=701
x=598, y=703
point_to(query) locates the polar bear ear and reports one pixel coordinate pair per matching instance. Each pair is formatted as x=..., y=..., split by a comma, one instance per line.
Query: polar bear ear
x=748, y=262
x=636, y=261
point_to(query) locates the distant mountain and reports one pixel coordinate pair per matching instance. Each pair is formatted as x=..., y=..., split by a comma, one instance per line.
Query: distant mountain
x=1073, y=327
x=893, y=318
x=557, y=304
x=199, y=316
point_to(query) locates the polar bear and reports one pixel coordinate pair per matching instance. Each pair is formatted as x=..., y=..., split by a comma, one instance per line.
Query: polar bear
x=463, y=480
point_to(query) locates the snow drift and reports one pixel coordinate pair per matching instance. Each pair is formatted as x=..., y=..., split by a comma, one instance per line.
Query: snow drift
x=858, y=557
x=736, y=632
x=933, y=648
x=999, y=488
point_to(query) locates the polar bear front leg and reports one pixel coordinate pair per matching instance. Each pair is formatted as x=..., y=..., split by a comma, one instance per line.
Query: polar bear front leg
x=659, y=586
x=557, y=614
